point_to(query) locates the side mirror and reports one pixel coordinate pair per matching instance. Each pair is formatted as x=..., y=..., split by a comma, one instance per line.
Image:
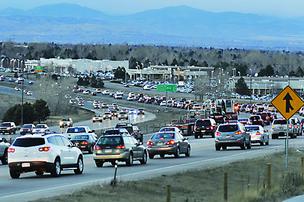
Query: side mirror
x=92, y=131
x=185, y=138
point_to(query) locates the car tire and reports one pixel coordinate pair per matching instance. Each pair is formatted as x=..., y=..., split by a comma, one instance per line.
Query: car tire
x=196, y=136
x=274, y=137
x=129, y=161
x=98, y=163
x=4, y=158
x=262, y=143
x=91, y=150
x=80, y=166
x=14, y=174
x=162, y=156
x=177, y=153
x=243, y=146
x=267, y=143
x=217, y=147
x=144, y=158
x=248, y=146
x=187, y=154
x=56, y=170
x=39, y=172
x=224, y=147
x=151, y=156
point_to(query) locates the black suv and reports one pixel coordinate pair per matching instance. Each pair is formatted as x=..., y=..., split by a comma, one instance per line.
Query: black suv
x=133, y=130
x=204, y=127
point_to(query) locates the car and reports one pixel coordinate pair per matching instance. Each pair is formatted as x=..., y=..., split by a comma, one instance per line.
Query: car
x=49, y=153
x=232, y=134
x=243, y=121
x=279, y=129
x=106, y=92
x=66, y=122
x=84, y=142
x=79, y=130
x=218, y=117
x=204, y=127
x=119, y=147
x=8, y=127
x=258, y=134
x=295, y=125
x=86, y=92
x=301, y=111
x=168, y=143
x=104, y=105
x=97, y=118
x=141, y=112
x=256, y=120
x=41, y=128
x=118, y=95
x=123, y=115
x=72, y=101
x=107, y=115
x=4, y=145
x=132, y=129
x=27, y=129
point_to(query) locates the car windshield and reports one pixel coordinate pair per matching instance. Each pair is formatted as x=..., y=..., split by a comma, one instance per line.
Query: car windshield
x=254, y=118
x=160, y=136
x=27, y=126
x=80, y=137
x=110, y=141
x=252, y=128
x=228, y=128
x=28, y=142
x=6, y=124
x=40, y=126
x=76, y=130
x=280, y=121
x=200, y=123
x=166, y=130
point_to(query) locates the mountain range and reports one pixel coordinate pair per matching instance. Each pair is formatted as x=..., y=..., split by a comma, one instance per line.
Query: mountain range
x=177, y=26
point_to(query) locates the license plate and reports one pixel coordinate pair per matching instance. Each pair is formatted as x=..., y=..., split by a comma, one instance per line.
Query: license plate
x=108, y=150
x=228, y=136
x=82, y=146
x=203, y=131
x=25, y=165
x=160, y=143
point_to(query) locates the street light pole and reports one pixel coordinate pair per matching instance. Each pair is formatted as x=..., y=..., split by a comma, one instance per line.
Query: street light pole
x=251, y=86
x=22, y=93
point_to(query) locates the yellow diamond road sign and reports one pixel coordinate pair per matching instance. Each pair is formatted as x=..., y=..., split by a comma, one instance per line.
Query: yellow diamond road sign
x=287, y=102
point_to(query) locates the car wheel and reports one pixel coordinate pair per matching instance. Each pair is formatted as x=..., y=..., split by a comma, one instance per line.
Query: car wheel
x=151, y=156
x=90, y=150
x=267, y=143
x=196, y=136
x=14, y=174
x=162, y=156
x=243, y=146
x=248, y=145
x=4, y=158
x=262, y=143
x=56, y=170
x=144, y=158
x=212, y=135
x=176, y=155
x=80, y=166
x=217, y=147
x=99, y=164
x=187, y=154
x=274, y=137
x=224, y=147
x=113, y=163
x=129, y=161
x=39, y=172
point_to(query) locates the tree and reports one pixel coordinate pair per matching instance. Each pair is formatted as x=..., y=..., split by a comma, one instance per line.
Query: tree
x=242, y=68
x=267, y=71
x=14, y=114
x=300, y=72
x=292, y=73
x=174, y=62
x=41, y=110
x=241, y=87
x=120, y=73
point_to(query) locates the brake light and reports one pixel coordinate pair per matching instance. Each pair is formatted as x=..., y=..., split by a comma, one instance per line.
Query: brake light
x=258, y=133
x=170, y=142
x=120, y=147
x=84, y=143
x=44, y=149
x=96, y=147
x=290, y=126
x=11, y=150
x=238, y=132
x=217, y=134
x=149, y=143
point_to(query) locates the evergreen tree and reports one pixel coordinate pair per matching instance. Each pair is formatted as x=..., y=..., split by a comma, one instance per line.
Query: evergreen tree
x=241, y=87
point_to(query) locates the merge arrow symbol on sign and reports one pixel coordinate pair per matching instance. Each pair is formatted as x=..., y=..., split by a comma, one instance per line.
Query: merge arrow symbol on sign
x=288, y=98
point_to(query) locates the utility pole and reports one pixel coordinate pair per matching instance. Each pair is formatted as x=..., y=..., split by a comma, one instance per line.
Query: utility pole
x=22, y=91
x=251, y=86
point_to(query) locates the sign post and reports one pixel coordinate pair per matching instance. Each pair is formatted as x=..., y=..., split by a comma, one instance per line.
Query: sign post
x=287, y=102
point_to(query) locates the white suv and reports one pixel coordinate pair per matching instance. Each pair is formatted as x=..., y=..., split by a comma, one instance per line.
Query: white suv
x=49, y=153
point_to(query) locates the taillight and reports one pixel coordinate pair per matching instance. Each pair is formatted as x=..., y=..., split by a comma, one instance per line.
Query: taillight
x=11, y=150
x=44, y=149
x=120, y=147
x=258, y=133
x=170, y=142
x=96, y=147
x=238, y=132
x=290, y=126
x=217, y=134
x=149, y=143
x=84, y=143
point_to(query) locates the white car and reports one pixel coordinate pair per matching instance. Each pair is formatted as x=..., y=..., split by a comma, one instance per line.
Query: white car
x=118, y=95
x=105, y=92
x=41, y=128
x=258, y=134
x=79, y=130
x=97, y=118
x=49, y=153
x=163, y=103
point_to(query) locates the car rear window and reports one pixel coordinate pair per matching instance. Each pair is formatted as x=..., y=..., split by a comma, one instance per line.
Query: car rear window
x=27, y=126
x=200, y=123
x=228, y=128
x=110, y=141
x=281, y=122
x=76, y=130
x=6, y=124
x=166, y=130
x=28, y=142
x=252, y=128
x=166, y=136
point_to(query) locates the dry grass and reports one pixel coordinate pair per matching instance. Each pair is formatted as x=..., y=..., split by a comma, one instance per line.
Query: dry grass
x=246, y=182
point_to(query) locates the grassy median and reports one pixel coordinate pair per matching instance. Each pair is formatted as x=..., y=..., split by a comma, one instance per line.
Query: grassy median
x=247, y=181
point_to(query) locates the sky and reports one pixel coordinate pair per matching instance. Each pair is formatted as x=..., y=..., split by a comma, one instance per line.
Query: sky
x=281, y=8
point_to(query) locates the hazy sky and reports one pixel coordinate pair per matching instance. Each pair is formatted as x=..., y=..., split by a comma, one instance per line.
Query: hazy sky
x=268, y=7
